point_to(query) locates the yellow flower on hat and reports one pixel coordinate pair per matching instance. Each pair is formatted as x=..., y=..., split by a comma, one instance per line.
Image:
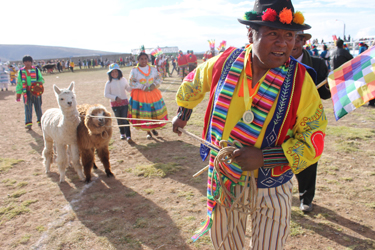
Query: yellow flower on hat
x=299, y=18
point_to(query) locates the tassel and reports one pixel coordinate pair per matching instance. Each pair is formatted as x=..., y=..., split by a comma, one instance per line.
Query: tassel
x=206, y=227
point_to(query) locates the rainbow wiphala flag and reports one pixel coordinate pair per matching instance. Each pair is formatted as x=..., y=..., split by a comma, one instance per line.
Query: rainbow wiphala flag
x=353, y=84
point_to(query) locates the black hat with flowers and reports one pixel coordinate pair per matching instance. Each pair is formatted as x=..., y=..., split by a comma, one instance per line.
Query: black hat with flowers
x=277, y=14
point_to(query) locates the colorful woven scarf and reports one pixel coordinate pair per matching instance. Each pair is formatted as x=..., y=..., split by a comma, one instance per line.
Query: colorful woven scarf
x=24, y=74
x=246, y=134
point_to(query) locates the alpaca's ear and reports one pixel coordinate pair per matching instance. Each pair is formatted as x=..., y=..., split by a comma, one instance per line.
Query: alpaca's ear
x=57, y=90
x=71, y=86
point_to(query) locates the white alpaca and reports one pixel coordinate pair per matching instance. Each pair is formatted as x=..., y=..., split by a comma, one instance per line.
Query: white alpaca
x=60, y=126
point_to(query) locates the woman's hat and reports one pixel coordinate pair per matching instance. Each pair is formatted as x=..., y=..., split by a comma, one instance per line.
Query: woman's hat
x=112, y=67
x=278, y=14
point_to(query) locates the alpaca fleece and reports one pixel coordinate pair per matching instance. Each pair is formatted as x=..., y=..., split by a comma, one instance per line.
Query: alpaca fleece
x=94, y=133
x=59, y=126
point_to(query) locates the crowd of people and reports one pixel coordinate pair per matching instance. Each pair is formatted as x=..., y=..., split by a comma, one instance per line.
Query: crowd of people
x=182, y=63
x=63, y=65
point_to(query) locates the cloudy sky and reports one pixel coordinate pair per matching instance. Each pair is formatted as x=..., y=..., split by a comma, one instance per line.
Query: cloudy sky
x=122, y=25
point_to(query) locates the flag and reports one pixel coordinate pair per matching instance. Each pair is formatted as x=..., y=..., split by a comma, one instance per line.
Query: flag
x=157, y=52
x=353, y=83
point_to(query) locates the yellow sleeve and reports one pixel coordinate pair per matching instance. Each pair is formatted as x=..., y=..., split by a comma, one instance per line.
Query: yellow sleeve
x=195, y=85
x=306, y=144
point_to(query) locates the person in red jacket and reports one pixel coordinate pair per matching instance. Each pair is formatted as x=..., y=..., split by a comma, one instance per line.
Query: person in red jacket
x=192, y=60
x=182, y=63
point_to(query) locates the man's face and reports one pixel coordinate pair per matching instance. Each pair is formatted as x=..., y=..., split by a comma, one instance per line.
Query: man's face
x=298, y=46
x=272, y=47
x=28, y=64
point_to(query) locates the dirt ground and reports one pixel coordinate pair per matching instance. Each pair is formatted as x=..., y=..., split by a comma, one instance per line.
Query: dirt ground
x=153, y=202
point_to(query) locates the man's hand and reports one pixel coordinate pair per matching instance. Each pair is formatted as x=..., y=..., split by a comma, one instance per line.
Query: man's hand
x=178, y=123
x=249, y=158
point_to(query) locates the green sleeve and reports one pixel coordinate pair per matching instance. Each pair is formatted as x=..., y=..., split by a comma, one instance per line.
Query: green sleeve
x=19, y=83
x=40, y=77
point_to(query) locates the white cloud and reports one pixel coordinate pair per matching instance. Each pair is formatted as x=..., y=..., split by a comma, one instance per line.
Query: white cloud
x=333, y=4
x=114, y=25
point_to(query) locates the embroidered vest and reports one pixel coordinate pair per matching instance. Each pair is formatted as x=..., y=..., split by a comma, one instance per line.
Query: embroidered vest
x=33, y=78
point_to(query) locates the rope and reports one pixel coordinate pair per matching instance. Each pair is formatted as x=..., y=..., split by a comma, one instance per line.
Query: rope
x=225, y=154
x=125, y=118
x=142, y=124
x=206, y=143
x=152, y=122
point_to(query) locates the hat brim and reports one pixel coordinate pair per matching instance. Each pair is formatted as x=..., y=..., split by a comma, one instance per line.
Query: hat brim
x=109, y=71
x=276, y=25
x=307, y=36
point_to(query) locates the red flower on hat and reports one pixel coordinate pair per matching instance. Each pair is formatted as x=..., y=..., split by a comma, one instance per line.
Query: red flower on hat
x=286, y=16
x=269, y=15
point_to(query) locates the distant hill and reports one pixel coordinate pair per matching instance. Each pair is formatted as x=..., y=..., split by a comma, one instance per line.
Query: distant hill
x=16, y=52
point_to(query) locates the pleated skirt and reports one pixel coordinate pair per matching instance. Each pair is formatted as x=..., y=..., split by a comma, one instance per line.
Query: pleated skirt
x=147, y=105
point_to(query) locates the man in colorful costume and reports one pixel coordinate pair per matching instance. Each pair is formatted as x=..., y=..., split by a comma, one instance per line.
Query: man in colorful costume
x=268, y=102
x=27, y=76
x=307, y=178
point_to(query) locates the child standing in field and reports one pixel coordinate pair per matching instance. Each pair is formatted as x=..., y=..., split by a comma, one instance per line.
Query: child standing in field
x=115, y=91
x=27, y=76
x=12, y=74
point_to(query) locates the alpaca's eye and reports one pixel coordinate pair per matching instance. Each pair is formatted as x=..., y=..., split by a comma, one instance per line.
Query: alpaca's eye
x=62, y=99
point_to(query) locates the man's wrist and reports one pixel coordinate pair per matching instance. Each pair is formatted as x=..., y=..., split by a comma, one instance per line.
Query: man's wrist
x=273, y=157
x=184, y=113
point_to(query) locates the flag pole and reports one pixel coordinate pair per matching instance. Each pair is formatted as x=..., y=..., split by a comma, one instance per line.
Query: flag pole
x=321, y=84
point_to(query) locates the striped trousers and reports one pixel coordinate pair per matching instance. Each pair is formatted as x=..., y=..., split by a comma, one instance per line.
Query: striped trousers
x=270, y=221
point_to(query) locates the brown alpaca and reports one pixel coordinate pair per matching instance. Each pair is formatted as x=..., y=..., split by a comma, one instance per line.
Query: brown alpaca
x=94, y=133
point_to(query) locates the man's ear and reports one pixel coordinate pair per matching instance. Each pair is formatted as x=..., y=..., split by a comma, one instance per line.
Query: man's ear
x=250, y=35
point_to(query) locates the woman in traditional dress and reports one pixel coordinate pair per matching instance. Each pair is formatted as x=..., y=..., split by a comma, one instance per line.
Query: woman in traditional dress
x=160, y=64
x=145, y=100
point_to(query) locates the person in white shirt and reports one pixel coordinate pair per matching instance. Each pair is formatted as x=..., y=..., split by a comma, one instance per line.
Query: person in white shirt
x=115, y=91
